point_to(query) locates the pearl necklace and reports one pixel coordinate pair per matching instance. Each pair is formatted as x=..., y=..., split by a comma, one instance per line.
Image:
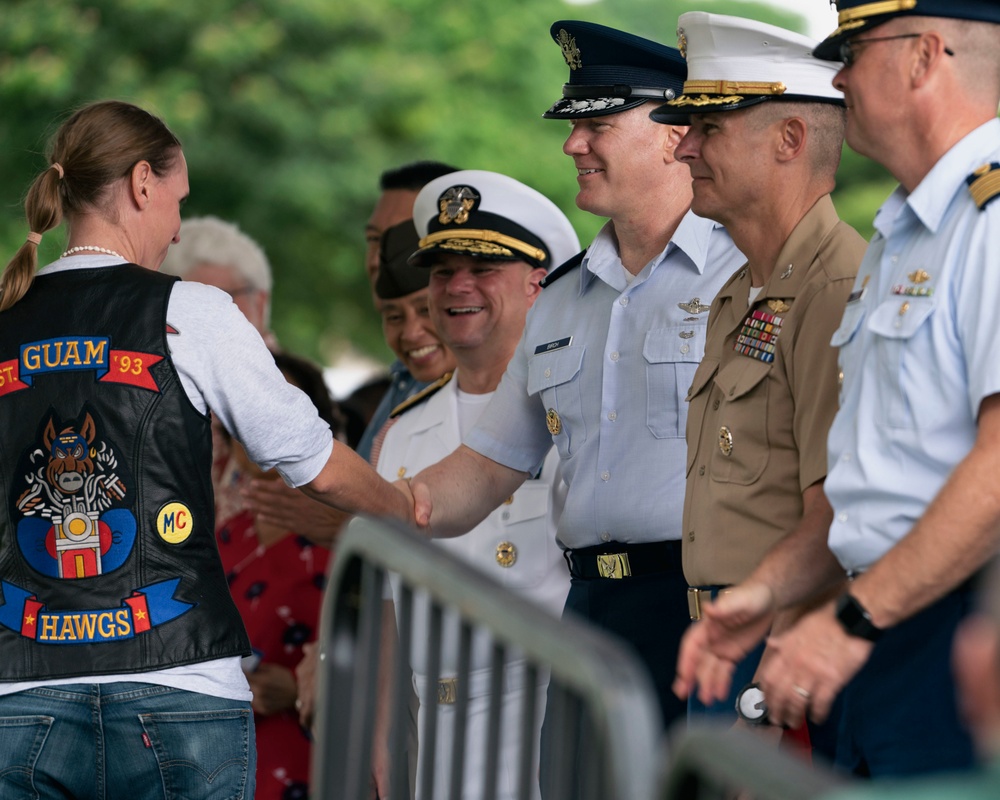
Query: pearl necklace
x=83, y=247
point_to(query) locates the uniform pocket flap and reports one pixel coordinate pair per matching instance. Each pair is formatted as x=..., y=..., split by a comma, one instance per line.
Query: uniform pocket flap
x=854, y=314
x=705, y=372
x=740, y=376
x=900, y=317
x=677, y=343
x=551, y=369
x=530, y=502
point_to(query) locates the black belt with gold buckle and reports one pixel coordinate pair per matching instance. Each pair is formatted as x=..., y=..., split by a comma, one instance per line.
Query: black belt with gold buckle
x=616, y=560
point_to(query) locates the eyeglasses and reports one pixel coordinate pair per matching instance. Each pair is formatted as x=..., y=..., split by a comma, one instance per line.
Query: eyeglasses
x=849, y=47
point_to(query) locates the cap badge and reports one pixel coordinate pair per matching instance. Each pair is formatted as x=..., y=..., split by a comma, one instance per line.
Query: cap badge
x=682, y=43
x=455, y=205
x=569, y=49
x=552, y=422
x=694, y=306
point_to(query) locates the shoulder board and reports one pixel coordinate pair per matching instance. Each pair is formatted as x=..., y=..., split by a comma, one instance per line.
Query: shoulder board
x=423, y=394
x=984, y=184
x=561, y=270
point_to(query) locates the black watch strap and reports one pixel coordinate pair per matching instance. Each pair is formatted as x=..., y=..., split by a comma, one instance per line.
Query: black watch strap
x=855, y=619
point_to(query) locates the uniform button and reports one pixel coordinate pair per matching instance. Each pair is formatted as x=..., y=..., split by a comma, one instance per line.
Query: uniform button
x=505, y=516
x=623, y=301
x=894, y=259
x=685, y=349
x=842, y=516
x=845, y=457
x=605, y=476
x=605, y=536
x=548, y=373
x=614, y=356
x=732, y=391
x=612, y=415
x=701, y=470
x=690, y=536
x=715, y=404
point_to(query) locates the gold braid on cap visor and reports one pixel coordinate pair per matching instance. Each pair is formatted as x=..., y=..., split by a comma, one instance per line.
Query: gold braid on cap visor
x=724, y=92
x=856, y=17
x=480, y=242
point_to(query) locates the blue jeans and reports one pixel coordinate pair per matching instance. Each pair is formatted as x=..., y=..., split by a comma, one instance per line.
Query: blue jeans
x=116, y=740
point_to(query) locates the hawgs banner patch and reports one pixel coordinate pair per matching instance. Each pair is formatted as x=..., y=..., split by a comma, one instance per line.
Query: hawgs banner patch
x=146, y=608
x=77, y=353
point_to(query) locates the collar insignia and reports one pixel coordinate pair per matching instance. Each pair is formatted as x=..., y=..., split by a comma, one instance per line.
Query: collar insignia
x=569, y=49
x=787, y=273
x=455, y=205
x=693, y=306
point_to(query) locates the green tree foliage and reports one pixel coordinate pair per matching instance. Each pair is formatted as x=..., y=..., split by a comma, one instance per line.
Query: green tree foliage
x=290, y=109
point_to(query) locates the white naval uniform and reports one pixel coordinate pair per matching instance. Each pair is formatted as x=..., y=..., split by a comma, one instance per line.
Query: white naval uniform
x=421, y=436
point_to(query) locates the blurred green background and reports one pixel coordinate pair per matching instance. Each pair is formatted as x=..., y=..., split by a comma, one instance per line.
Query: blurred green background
x=290, y=109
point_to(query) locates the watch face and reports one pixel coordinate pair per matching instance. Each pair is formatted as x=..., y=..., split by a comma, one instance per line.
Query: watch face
x=750, y=704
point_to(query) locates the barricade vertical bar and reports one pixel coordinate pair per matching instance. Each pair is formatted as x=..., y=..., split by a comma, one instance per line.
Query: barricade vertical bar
x=526, y=776
x=400, y=775
x=428, y=733
x=497, y=658
x=461, y=711
x=365, y=683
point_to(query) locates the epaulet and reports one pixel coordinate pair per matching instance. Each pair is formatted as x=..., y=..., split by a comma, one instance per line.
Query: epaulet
x=423, y=394
x=984, y=184
x=562, y=269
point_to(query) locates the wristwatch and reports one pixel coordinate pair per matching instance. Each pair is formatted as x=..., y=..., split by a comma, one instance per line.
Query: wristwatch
x=855, y=619
x=750, y=705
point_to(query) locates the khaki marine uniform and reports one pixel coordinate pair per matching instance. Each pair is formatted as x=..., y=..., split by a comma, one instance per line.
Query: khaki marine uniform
x=763, y=399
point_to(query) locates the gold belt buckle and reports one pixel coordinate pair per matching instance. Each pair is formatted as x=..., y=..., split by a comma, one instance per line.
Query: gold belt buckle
x=694, y=604
x=613, y=565
x=447, y=691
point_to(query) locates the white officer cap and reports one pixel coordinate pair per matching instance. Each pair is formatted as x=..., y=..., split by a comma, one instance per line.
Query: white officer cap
x=735, y=62
x=488, y=215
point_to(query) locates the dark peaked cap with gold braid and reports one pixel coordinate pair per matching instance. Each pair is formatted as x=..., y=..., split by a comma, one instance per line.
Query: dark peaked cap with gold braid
x=612, y=71
x=857, y=16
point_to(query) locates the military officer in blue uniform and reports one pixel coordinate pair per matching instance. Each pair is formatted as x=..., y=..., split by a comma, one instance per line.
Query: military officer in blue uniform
x=913, y=453
x=607, y=356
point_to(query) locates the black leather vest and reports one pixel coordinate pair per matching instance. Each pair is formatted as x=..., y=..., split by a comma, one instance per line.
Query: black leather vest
x=108, y=559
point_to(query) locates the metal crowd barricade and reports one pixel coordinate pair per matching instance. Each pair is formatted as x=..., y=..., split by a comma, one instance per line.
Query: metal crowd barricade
x=602, y=728
x=712, y=763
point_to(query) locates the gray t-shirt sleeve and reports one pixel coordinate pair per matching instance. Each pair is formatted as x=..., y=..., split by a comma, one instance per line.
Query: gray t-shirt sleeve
x=226, y=368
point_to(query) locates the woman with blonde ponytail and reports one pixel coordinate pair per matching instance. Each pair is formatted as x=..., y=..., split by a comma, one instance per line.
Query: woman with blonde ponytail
x=121, y=670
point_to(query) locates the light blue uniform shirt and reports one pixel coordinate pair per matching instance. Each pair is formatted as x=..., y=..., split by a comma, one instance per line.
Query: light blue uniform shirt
x=920, y=350
x=609, y=364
